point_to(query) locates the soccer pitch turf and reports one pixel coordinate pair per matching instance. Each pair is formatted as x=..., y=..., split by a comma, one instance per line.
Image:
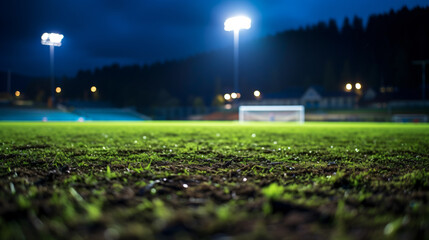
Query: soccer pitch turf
x=192, y=180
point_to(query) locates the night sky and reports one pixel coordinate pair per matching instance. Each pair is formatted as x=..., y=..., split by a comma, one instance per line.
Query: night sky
x=102, y=32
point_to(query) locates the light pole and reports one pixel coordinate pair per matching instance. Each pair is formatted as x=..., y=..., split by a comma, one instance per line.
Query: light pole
x=236, y=24
x=52, y=40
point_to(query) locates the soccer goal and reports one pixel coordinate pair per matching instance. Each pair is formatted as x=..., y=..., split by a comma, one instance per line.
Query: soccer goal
x=280, y=113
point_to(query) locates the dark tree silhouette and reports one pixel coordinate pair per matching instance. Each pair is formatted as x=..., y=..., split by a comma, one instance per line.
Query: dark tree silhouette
x=378, y=54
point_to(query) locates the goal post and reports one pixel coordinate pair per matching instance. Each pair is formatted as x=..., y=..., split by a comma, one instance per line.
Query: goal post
x=281, y=113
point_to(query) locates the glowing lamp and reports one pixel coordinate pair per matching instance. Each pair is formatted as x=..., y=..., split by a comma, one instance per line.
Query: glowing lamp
x=257, y=93
x=237, y=23
x=358, y=86
x=17, y=93
x=227, y=97
x=349, y=86
x=52, y=39
x=45, y=36
x=93, y=89
x=58, y=90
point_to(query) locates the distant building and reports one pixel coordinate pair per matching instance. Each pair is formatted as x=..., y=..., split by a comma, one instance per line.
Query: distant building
x=369, y=95
x=312, y=97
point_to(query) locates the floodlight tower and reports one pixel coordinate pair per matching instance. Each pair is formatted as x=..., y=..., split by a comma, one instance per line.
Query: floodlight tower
x=236, y=24
x=52, y=40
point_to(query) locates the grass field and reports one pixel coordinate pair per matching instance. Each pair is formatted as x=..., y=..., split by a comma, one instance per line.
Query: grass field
x=215, y=180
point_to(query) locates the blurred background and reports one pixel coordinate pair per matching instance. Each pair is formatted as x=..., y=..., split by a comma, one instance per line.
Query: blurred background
x=344, y=61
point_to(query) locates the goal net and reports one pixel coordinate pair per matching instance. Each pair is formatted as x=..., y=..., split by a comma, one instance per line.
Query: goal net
x=282, y=113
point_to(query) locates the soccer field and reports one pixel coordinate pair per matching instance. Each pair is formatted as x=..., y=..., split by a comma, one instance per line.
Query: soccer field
x=192, y=180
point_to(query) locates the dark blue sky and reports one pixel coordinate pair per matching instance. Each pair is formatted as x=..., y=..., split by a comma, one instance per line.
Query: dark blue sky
x=102, y=32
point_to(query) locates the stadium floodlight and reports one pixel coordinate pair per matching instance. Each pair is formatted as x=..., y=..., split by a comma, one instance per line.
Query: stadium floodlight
x=236, y=24
x=282, y=113
x=349, y=87
x=52, y=40
x=358, y=86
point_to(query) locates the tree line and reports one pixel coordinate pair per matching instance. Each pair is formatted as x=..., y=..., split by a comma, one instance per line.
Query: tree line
x=379, y=54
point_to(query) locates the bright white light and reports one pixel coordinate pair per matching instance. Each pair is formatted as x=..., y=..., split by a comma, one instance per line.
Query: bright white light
x=349, y=86
x=45, y=36
x=237, y=23
x=227, y=96
x=257, y=93
x=52, y=39
x=56, y=38
x=358, y=86
x=233, y=95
